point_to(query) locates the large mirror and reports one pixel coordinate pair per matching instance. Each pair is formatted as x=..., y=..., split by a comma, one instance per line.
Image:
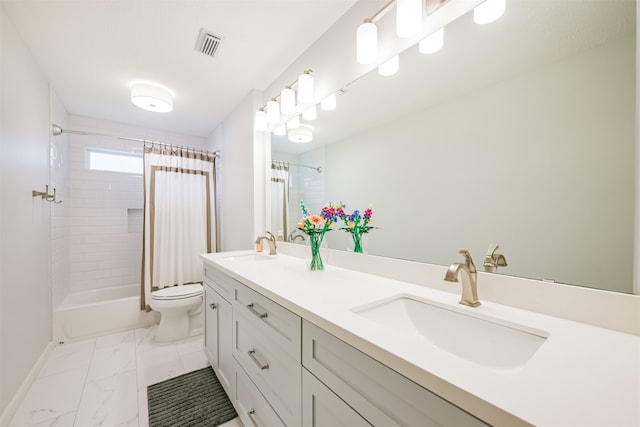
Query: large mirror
x=519, y=133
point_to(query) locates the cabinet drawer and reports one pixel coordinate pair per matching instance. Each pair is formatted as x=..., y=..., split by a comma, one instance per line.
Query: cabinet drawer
x=322, y=408
x=252, y=408
x=277, y=324
x=382, y=396
x=276, y=374
x=220, y=282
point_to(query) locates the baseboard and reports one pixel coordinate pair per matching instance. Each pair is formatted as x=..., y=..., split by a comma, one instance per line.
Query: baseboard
x=9, y=412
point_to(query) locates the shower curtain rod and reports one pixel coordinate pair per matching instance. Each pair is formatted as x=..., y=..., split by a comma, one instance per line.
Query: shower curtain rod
x=317, y=168
x=57, y=131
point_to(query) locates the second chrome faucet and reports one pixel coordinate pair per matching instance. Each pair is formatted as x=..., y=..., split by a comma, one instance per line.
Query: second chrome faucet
x=469, y=275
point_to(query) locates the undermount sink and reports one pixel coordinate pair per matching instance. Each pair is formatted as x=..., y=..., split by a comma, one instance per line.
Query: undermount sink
x=249, y=258
x=476, y=338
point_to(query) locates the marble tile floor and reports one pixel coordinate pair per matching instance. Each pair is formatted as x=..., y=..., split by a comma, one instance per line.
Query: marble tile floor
x=103, y=381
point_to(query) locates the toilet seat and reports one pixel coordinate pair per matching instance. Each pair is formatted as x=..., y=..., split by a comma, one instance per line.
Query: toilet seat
x=178, y=292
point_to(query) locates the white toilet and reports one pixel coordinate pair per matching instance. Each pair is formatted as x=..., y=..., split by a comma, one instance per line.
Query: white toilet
x=180, y=309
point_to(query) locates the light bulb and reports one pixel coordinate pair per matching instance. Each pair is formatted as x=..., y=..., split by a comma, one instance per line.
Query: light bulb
x=432, y=43
x=305, y=88
x=489, y=11
x=408, y=17
x=367, y=43
x=390, y=67
x=260, y=122
x=273, y=112
x=288, y=101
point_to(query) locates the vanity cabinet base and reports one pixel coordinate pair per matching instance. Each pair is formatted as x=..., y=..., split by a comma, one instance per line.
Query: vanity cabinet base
x=380, y=395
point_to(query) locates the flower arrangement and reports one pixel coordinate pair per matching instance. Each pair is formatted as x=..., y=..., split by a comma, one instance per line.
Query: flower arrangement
x=315, y=226
x=357, y=225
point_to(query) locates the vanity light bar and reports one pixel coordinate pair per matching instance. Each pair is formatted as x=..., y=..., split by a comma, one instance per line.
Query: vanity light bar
x=409, y=15
x=287, y=104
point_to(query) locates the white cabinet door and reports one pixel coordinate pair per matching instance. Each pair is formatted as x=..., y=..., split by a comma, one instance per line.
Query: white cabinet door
x=323, y=408
x=226, y=366
x=218, y=342
x=211, y=325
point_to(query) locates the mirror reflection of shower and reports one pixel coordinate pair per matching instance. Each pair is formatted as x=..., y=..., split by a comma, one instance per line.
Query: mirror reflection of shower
x=286, y=181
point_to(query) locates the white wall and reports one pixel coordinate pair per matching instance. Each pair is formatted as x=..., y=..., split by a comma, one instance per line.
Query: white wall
x=105, y=214
x=563, y=181
x=333, y=56
x=241, y=169
x=25, y=282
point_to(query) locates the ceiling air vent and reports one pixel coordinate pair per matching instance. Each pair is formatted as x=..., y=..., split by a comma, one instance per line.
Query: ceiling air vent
x=208, y=43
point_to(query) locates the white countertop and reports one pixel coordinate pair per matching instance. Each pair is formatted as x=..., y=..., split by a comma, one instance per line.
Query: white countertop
x=582, y=375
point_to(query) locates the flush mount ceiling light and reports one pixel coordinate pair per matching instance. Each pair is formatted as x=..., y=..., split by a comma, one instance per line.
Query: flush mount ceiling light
x=151, y=97
x=301, y=134
x=489, y=11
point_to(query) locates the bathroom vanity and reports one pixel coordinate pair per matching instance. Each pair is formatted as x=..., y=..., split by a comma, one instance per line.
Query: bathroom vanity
x=342, y=347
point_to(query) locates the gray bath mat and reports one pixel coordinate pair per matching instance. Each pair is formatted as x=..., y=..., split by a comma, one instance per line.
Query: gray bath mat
x=196, y=399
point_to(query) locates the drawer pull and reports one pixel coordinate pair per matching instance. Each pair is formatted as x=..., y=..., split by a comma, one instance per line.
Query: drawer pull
x=252, y=415
x=252, y=355
x=213, y=306
x=252, y=309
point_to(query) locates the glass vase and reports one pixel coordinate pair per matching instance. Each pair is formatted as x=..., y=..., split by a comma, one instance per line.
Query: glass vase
x=359, y=242
x=316, y=252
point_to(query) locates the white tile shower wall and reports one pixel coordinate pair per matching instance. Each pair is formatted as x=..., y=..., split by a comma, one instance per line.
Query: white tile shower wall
x=106, y=246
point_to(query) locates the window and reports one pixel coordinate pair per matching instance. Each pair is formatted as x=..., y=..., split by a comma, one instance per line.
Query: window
x=114, y=161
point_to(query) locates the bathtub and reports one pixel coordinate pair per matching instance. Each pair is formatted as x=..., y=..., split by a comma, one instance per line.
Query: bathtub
x=92, y=313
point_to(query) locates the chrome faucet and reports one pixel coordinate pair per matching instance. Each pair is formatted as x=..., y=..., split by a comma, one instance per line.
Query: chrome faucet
x=292, y=237
x=469, y=279
x=494, y=260
x=297, y=236
x=270, y=238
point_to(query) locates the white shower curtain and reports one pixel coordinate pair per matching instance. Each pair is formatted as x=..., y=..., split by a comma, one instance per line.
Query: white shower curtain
x=179, y=217
x=280, y=198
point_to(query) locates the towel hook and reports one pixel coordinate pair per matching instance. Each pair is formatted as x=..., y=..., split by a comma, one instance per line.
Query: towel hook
x=51, y=198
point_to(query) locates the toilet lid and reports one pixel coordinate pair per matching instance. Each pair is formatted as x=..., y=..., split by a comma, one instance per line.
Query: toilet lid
x=177, y=292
